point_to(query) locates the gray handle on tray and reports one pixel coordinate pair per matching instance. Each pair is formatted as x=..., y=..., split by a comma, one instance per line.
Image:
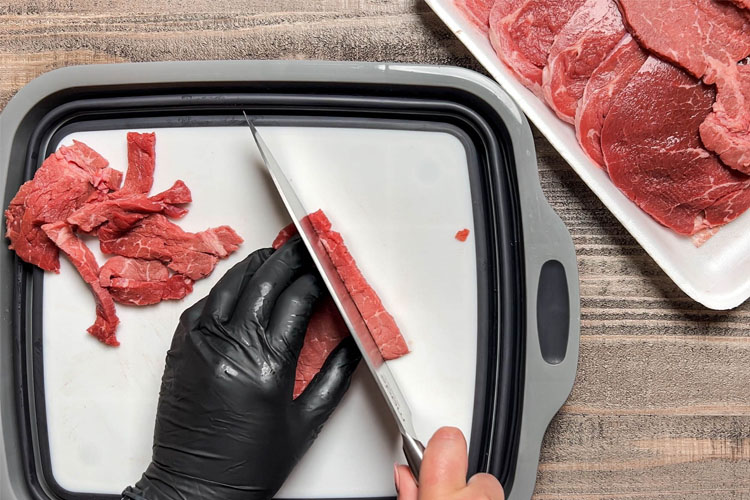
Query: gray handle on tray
x=413, y=451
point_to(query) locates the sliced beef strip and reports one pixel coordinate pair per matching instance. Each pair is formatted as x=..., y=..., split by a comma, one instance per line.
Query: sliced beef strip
x=325, y=331
x=381, y=324
x=707, y=38
x=141, y=163
x=607, y=80
x=132, y=269
x=84, y=261
x=142, y=282
x=582, y=44
x=654, y=155
x=64, y=182
x=101, y=176
x=522, y=37
x=95, y=213
x=155, y=237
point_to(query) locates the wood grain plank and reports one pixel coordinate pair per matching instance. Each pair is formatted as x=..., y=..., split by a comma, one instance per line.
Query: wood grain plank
x=661, y=405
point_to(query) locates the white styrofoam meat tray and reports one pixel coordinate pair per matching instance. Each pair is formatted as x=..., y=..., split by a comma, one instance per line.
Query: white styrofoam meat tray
x=715, y=274
x=101, y=401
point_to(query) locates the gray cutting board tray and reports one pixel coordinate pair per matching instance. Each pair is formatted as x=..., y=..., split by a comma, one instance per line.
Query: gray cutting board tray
x=400, y=157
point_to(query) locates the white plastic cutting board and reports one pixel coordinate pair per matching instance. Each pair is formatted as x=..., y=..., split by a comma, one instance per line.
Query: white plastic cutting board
x=715, y=274
x=398, y=197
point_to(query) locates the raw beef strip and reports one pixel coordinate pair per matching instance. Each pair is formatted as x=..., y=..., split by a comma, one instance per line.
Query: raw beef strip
x=284, y=235
x=84, y=261
x=95, y=213
x=324, y=332
x=157, y=238
x=65, y=180
x=522, y=37
x=142, y=282
x=707, y=38
x=476, y=11
x=583, y=43
x=381, y=324
x=141, y=163
x=102, y=177
x=607, y=80
x=654, y=155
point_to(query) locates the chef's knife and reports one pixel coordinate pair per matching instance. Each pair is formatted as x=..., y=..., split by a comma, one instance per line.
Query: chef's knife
x=413, y=448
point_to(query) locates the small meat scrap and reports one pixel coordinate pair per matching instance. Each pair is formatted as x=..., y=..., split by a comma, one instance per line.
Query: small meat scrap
x=142, y=282
x=462, y=235
x=157, y=238
x=84, y=261
x=63, y=183
x=76, y=190
x=381, y=324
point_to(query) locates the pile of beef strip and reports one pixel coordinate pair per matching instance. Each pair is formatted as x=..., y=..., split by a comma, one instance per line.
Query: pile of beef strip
x=657, y=91
x=75, y=191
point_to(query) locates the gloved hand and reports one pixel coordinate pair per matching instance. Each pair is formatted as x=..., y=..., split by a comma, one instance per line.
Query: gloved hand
x=226, y=425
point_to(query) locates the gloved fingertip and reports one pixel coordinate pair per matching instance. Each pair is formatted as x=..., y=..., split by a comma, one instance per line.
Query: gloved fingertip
x=347, y=355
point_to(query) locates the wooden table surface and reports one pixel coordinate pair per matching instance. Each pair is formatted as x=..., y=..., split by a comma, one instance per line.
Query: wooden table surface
x=661, y=405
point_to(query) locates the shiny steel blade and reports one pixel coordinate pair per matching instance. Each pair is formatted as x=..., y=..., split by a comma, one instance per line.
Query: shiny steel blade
x=339, y=293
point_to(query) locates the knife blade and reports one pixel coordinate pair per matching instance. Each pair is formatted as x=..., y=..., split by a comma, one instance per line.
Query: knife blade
x=412, y=447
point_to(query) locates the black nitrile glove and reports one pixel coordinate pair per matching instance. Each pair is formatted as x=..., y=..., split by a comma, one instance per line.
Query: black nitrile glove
x=226, y=425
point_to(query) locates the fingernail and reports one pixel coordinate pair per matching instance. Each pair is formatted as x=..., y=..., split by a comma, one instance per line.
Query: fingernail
x=395, y=475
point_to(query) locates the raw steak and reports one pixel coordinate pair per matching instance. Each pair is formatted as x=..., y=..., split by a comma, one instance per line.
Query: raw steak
x=726, y=131
x=607, y=80
x=522, y=37
x=84, y=261
x=324, y=332
x=65, y=180
x=476, y=11
x=155, y=237
x=583, y=43
x=381, y=324
x=654, y=155
x=707, y=38
x=142, y=282
x=141, y=163
x=93, y=214
x=743, y=4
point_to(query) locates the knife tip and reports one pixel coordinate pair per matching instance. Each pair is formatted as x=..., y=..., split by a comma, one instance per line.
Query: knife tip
x=249, y=122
